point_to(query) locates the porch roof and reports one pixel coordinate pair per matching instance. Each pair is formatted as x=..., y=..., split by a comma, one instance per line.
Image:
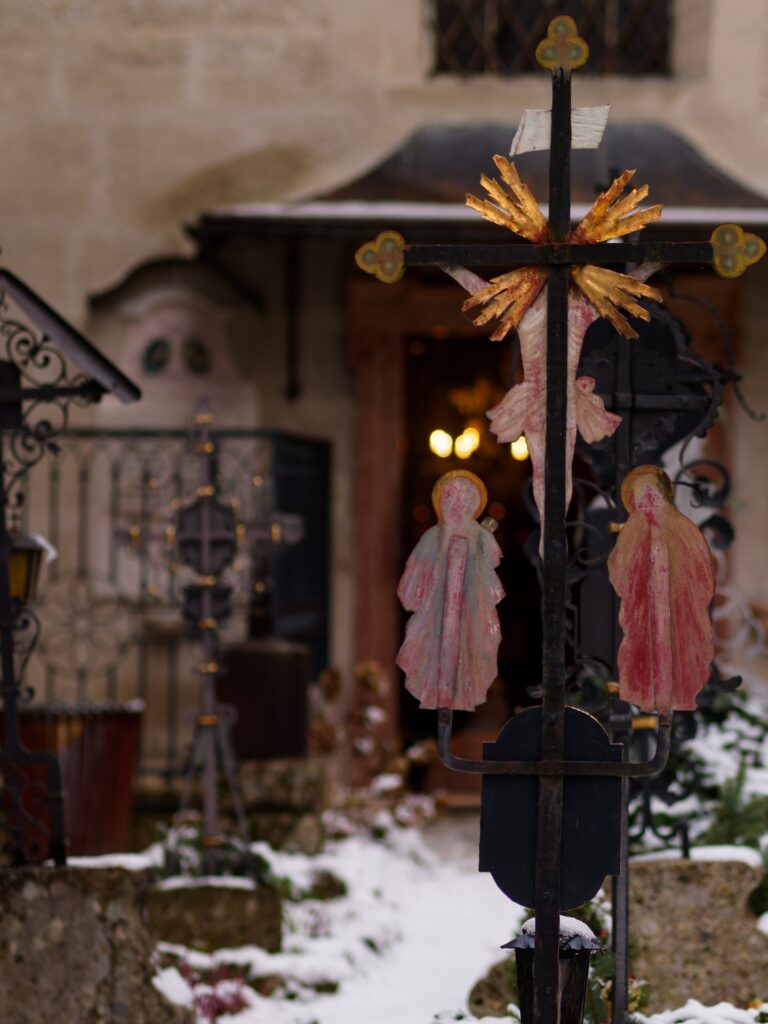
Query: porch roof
x=424, y=182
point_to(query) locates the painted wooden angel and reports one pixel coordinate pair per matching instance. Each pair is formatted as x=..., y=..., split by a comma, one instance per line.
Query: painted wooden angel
x=449, y=654
x=662, y=570
x=517, y=300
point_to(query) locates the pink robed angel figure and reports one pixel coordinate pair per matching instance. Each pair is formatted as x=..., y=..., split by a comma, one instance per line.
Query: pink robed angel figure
x=662, y=570
x=449, y=654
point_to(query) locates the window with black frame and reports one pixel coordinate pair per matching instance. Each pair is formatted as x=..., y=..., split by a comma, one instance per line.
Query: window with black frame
x=625, y=37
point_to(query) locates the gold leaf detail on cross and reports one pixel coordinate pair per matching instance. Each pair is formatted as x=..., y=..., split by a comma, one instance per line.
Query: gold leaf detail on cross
x=383, y=257
x=613, y=214
x=563, y=46
x=734, y=250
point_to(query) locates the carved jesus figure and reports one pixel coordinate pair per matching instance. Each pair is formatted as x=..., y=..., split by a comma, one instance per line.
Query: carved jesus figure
x=523, y=410
x=449, y=654
x=662, y=570
x=518, y=300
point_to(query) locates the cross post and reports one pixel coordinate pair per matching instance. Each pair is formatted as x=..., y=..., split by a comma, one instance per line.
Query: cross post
x=557, y=253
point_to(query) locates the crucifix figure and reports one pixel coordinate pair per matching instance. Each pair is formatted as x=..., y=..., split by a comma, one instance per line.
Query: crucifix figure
x=561, y=280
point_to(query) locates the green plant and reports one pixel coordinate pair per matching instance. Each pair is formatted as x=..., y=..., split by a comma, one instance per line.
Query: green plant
x=742, y=821
x=738, y=819
x=183, y=850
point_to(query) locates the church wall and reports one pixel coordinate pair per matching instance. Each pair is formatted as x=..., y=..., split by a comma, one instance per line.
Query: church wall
x=749, y=442
x=122, y=120
x=324, y=407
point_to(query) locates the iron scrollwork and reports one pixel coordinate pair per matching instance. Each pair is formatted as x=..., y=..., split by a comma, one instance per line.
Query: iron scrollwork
x=35, y=394
x=36, y=423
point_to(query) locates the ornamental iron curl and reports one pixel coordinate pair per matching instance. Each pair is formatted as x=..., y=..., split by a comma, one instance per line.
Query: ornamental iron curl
x=36, y=390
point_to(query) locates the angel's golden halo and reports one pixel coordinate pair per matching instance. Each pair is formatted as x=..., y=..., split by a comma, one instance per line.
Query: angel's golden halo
x=437, y=491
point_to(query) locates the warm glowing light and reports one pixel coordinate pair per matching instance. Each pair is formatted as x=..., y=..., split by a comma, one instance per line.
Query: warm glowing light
x=440, y=443
x=467, y=442
x=519, y=449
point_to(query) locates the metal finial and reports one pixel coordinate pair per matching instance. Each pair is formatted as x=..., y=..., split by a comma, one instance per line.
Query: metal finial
x=733, y=250
x=383, y=257
x=563, y=46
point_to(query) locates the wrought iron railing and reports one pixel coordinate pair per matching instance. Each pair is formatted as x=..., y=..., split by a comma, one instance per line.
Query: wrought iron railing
x=111, y=628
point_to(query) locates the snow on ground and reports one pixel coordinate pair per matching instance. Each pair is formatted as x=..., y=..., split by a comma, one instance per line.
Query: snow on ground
x=417, y=929
x=150, y=858
x=694, y=1013
x=745, y=854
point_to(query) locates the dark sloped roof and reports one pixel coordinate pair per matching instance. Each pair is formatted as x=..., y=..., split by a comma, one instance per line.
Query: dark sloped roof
x=441, y=163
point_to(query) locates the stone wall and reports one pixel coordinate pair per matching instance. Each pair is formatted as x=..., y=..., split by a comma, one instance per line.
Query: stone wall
x=122, y=119
x=74, y=949
x=693, y=935
x=216, y=915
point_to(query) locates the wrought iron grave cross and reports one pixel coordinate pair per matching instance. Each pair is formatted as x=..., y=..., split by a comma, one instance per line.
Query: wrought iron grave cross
x=207, y=538
x=562, y=261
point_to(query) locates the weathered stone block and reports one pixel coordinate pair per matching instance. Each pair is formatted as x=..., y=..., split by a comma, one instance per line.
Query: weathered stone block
x=286, y=830
x=130, y=72
x=47, y=166
x=74, y=947
x=172, y=13
x=493, y=993
x=208, y=917
x=287, y=784
x=693, y=934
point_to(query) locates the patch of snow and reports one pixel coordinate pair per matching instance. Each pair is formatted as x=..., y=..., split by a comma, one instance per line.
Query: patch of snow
x=128, y=861
x=695, y=1012
x=745, y=854
x=385, y=783
x=415, y=932
x=569, y=927
x=215, y=881
x=172, y=985
x=762, y=923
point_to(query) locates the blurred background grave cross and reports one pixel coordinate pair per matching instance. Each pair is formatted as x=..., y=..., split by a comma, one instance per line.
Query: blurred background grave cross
x=207, y=535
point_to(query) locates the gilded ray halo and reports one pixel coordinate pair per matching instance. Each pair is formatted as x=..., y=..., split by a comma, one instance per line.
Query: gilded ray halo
x=613, y=214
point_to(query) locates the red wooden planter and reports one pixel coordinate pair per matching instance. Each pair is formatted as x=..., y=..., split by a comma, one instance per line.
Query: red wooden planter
x=97, y=747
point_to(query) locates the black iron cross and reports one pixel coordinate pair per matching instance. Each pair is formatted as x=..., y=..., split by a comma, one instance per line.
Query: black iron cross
x=387, y=258
x=207, y=537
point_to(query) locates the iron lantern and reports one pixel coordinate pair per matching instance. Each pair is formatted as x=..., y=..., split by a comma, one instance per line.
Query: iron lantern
x=577, y=943
x=24, y=564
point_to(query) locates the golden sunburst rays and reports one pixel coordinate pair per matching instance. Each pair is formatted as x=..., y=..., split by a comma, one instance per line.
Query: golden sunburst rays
x=610, y=291
x=613, y=215
x=507, y=298
x=513, y=207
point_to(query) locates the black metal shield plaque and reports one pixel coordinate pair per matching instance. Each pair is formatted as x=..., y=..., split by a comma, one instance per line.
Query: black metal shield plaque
x=662, y=390
x=591, y=814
